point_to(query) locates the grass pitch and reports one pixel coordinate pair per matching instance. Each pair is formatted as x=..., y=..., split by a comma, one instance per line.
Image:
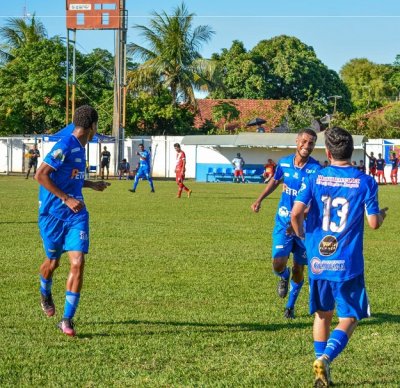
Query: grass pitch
x=180, y=293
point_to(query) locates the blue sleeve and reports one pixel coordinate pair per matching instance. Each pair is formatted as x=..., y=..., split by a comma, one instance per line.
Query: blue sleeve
x=55, y=158
x=278, y=172
x=371, y=200
x=305, y=193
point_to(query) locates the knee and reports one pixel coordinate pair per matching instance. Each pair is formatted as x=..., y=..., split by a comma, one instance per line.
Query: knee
x=77, y=264
x=298, y=270
x=278, y=265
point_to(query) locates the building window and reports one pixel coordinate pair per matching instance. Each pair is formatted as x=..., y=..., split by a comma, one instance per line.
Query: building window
x=105, y=18
x=80, y=19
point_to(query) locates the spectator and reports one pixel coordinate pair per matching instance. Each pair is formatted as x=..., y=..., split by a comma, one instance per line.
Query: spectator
x=105, y=162
x=33, y=155
x=123, y=168
x=326, y=164
x=361, y=166
x=238, y=164
x=269, y=170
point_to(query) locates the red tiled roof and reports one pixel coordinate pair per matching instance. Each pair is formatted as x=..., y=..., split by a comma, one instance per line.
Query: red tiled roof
x=270, y=110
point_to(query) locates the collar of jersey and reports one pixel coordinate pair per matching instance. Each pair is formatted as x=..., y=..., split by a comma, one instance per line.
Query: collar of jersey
x=77, y=140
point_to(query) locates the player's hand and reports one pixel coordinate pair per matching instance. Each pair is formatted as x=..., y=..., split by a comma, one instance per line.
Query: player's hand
x=100, y=185
x=256, y=206
x=383, y=212
x=290, y=231
x=74, y=204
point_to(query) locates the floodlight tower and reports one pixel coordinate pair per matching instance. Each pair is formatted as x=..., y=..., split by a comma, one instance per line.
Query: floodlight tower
x=100, y=15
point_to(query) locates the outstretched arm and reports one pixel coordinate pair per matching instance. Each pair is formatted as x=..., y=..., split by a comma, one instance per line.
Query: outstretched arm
x=375, y=221
x=96, y=185
x=270, y=188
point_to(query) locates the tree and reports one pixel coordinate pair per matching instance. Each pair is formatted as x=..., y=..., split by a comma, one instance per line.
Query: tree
x=172, y=54
x=241, y=76
x=17, y=33
x=226, y=112
x=32, y=89
x=369, y=83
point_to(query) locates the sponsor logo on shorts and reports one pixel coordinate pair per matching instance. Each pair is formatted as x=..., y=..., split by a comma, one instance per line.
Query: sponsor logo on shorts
x=83, y=235
x=279, y=246
x=318, y=266
x=52, y=250
x=328, y=245
x=78, y=160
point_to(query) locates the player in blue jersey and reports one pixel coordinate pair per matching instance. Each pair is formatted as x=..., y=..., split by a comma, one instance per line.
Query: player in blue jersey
x=290, y=171
x=63, y=217
x=337, y=197
x=144, y=168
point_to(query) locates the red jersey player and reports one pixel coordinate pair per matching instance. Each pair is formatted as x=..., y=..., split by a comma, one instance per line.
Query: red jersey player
x=180, y=170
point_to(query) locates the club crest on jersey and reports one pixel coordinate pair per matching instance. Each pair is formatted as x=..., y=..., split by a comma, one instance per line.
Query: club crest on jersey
x=318, y=266
x=283, y=211
x=328, y=245
x=296, y=175
x=58, y=154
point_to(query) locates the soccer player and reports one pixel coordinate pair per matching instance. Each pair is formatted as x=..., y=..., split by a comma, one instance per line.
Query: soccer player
x=33, y=155
x=238, y=164
x=180, y=170
x=380, y=169
x=290, y=171
x=63, y=217
x=361, y=166
x=337, y=198
x=371, y=164
x=269, y=170
x=144, y=169
x=394, y=160
x=123, y=168
x=105, y=162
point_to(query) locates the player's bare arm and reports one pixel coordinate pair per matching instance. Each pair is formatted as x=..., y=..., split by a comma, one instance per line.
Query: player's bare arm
x=270, y=188
x=297, y=218
x=375, y=221
x=97, y=186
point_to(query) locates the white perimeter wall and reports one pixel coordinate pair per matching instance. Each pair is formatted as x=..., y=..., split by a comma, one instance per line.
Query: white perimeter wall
x=12, y=152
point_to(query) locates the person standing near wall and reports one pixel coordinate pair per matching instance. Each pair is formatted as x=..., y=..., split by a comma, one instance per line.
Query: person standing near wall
x=180, y=171
x=238, y=164
x=33, y=155
x=394, y=161
x=105, y=162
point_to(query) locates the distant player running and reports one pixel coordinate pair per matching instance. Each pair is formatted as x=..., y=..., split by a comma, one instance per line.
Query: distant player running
x=180, y=171
x=290, y=171
x=63, y=217
x=394, y=161
x=337, y=196
x=144, y=169
x=380, y=169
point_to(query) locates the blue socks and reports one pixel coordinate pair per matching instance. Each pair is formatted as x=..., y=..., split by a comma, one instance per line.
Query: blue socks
x=284, y=275
x=294, y=292
x=319, y=348
x=336, y=343
x=45, y=286
x=71, y=304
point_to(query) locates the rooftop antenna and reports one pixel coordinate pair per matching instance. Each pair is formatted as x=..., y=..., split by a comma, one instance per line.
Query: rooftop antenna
x=26, y=14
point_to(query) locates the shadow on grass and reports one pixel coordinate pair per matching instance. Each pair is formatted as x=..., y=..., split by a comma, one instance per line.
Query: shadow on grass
x=379, y=318
x=199, y=327
x=18, y=222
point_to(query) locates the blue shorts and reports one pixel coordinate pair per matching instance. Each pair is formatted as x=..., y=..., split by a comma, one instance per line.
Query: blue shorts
x=61, y=236
x=142, y=173
x=284, y=244
x=350, y=297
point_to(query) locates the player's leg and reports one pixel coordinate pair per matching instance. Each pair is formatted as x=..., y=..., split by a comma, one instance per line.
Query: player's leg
x=108, y=170
x=29, y=170
x=34, y=169
x=136, y=180
x=102, y=171
x=297, y=280
x=77, y=245
x=150, y=180
x=52, y=232
x=242, y=175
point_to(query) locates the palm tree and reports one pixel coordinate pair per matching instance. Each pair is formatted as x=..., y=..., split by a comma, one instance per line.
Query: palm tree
x=172, y=55
x=17, y=33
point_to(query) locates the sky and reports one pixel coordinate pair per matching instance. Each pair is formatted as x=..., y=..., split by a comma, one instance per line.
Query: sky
x=338, y=30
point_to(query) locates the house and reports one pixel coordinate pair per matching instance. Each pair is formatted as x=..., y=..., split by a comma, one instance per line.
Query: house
x=273, y=111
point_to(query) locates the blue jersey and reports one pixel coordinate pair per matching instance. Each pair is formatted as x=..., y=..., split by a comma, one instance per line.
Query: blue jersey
x=292, y=177
x=338, y=198
x=380, y=164
x=144, y=161
x=68, y=160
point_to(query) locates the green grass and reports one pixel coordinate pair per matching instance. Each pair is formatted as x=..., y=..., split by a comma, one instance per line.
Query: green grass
x=180, y=293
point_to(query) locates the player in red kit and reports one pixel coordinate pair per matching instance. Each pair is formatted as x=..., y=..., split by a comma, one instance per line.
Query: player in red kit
x=180, y=170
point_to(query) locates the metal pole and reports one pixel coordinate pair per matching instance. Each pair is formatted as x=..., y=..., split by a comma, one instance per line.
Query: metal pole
x=67, y=84
x=74, y=75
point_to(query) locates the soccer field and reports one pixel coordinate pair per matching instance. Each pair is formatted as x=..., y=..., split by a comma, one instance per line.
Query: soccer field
x=180, y=293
